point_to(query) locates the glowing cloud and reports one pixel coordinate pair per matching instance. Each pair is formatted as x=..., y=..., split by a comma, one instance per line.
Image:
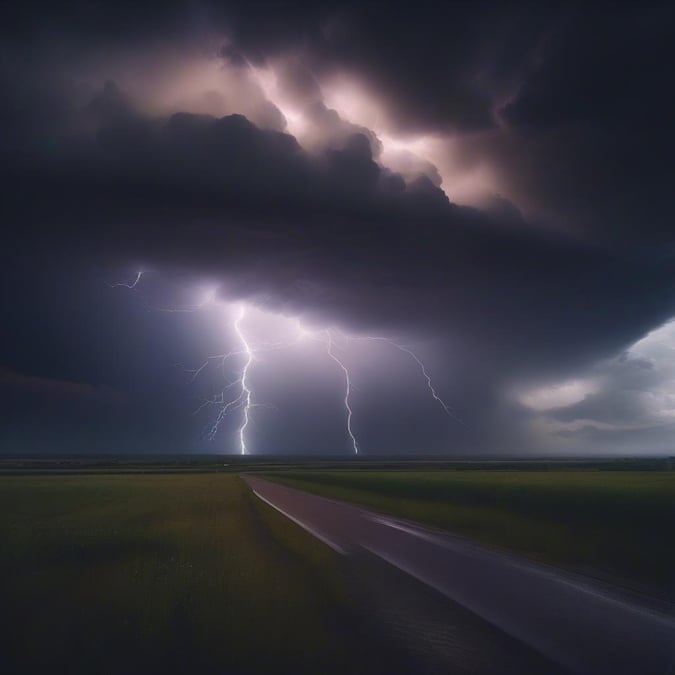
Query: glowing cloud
x=289, y=332
x=164, y=81
x=557, y=395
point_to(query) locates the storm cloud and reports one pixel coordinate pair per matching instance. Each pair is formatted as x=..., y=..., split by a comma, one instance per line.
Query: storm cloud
x=304, y=161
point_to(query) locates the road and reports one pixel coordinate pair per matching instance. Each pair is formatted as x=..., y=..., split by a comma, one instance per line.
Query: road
x=585, y=627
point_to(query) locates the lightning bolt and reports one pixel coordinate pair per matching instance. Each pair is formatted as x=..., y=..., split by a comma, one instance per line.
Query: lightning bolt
x=430, y=385
x=348, y=388
x=427, y=377
x=243, y=400
x=372, y=338
x=131, y=285
x=245, y=389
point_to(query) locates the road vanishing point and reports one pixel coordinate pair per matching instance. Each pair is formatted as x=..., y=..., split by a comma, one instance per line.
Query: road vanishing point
x=584, y=626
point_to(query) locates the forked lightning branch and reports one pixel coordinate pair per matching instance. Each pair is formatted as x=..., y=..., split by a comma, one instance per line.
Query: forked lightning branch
x=237, y=397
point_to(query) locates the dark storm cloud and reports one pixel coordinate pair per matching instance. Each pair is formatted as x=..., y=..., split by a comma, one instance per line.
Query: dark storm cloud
x=437, y=67
x=567, y=105
x=568, y=109
x=224, y=198
x=597, y=102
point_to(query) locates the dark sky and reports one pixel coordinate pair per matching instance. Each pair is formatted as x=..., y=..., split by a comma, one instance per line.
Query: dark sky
x=489, y=185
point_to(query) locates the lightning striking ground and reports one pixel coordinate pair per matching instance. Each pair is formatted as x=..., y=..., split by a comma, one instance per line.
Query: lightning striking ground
x=246, y=390
x=243, y=400
x=348, y=389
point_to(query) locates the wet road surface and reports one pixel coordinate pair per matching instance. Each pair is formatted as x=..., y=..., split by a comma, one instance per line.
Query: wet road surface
x=583, y=626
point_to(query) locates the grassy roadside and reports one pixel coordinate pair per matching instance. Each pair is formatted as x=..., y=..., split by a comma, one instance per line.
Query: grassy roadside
x=166, y=573
x=614, y=525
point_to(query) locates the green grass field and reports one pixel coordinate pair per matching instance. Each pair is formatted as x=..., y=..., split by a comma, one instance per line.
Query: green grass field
x=165, y=574
x=177, y=573
x=616, y=525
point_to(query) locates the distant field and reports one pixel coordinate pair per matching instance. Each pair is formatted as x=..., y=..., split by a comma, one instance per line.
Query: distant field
x=163, y=574
x=614, y=524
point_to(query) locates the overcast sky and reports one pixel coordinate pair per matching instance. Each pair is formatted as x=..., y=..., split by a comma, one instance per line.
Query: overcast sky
x=486, y=185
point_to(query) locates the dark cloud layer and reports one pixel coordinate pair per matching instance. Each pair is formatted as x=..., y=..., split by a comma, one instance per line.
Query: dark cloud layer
x=569, y=107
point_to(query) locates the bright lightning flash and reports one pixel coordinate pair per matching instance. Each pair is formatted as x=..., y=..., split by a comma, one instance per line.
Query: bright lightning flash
x=245, y=389
x=244, y=399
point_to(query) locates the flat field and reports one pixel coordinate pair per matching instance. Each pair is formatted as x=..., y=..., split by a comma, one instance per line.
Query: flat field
x=165, y=574
x=616, y=525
